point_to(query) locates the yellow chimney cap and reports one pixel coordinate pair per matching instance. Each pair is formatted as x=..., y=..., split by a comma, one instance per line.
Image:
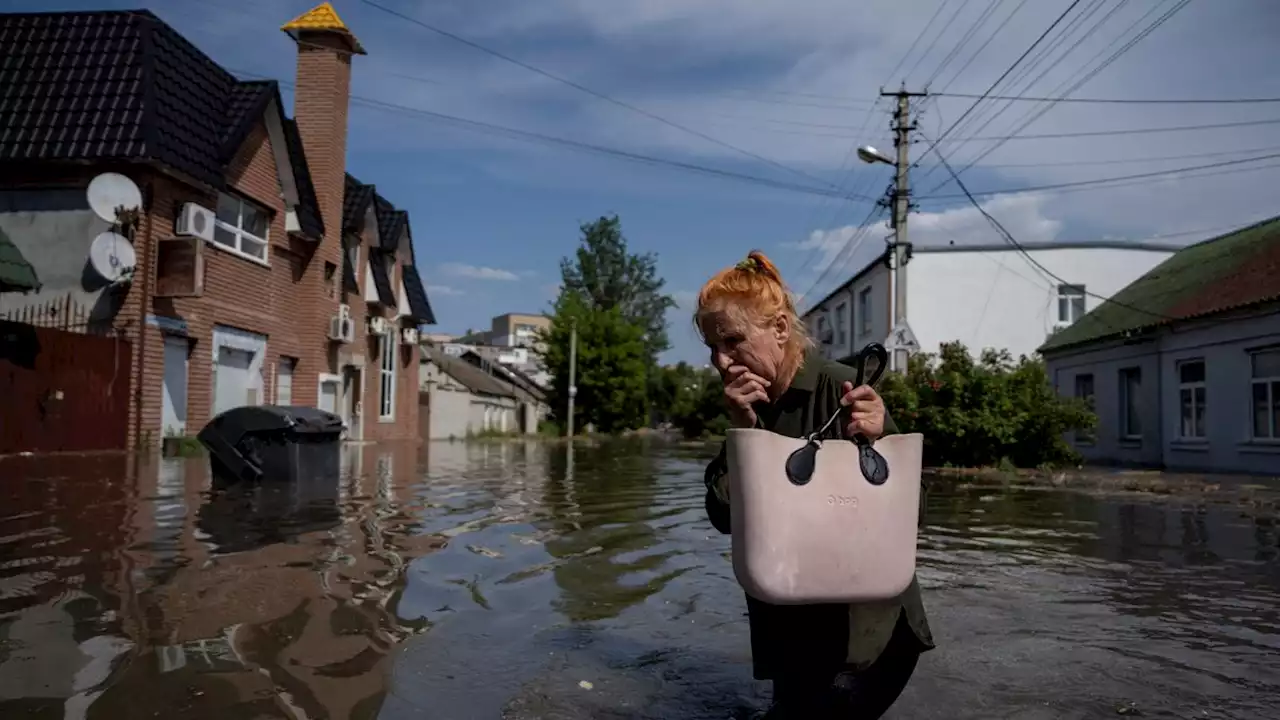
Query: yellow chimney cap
x=322, y=18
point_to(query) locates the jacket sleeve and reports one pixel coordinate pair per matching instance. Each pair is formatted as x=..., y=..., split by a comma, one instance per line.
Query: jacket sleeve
x=717, y=499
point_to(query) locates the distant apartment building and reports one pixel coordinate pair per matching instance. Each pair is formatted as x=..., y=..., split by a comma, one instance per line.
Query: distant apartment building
x=989, y=296
x=511, y=340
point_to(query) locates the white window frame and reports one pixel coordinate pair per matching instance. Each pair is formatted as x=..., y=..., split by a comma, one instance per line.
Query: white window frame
x=1127, y=412
x=842, y=324
x=241, y=234
x=1198, y=431
x=387, y=376
x=864, y=311
x=1070, y=298
x=1270, y=385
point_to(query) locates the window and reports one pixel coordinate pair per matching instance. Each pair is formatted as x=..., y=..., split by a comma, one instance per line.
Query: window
x=241, y=227
x=1130, y=417
x=864, y=310
x=387, y=376
x=1070, y=304
x=284, y=381
x=841, y=324
x=822, y=331
x=1266, y=394
x=1191, y=399
x=1084, y=391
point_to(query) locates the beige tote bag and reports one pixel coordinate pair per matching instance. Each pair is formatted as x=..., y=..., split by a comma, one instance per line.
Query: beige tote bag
x=824, y=520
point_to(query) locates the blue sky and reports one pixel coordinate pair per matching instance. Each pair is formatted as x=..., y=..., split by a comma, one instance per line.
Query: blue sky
x=794, y=82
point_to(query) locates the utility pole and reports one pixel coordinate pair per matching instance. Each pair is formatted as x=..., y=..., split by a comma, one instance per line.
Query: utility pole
x=573, y=372
x=900, y=198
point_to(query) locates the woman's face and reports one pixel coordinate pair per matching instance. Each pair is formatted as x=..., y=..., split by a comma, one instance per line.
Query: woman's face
x=733, y=340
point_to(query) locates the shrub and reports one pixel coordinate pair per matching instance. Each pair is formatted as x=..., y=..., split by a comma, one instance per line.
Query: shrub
x=991, y=412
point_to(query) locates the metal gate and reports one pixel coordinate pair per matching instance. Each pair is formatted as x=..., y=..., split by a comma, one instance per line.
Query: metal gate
x=61, y=390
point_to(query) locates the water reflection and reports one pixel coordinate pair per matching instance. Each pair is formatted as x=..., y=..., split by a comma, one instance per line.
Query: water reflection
x=490, y=579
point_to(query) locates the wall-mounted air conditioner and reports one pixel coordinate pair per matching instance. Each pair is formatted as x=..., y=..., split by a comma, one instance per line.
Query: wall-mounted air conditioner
x=377, y=326
x=409, y=336
x=195, y=221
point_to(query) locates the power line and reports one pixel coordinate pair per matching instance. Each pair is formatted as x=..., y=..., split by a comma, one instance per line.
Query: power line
x=1134, y=160
x=595, y=93
x=1102, y=181
x=1123, y=101
x=1123, y=131
x=1010, y=69
x=1008, y=237
x=492, y=128
x=846, y=252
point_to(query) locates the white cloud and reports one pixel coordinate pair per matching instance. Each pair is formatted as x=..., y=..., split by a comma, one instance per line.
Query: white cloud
x=478, y=272
x=1023, y=215
x=443, y=290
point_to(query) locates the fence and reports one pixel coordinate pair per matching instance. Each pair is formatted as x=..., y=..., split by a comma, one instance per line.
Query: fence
x=63, y=389
x=60, y=314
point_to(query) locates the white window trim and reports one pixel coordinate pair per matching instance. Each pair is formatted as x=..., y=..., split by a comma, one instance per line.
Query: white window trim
x=1191, y=387
x=281, y=363
x=1272, y=401
x=323, y=378
x=387, y=348
x=240, y=234
x=1069, y=292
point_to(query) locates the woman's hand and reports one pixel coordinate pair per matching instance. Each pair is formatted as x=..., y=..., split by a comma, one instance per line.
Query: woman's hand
x=867, y=411
x=742, y=388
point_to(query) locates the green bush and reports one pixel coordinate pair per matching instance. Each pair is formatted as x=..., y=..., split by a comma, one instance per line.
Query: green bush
x=691, y=399
x=992, y=412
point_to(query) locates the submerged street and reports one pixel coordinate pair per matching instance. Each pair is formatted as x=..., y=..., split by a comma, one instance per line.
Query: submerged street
x=524, y=580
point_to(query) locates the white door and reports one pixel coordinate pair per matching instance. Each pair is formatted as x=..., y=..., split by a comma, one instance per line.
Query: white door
x=173, y=415
x=329, y=396
x=284, y=381
x=232, y=385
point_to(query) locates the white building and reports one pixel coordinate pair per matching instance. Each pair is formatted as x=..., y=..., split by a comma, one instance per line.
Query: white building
x=985, y=296
x=1183, y=366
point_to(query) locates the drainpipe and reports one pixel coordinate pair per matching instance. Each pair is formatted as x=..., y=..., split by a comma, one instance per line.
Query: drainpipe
x=146, y=256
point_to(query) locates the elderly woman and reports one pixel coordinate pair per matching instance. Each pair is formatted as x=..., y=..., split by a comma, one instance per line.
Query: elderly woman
x=845, y=661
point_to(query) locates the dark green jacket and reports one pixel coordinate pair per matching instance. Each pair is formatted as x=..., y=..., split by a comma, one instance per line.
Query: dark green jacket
x=802, y=639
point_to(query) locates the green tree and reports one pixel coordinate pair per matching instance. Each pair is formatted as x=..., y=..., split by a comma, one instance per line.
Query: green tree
x=984, y=412
x=611, y=365
x=610, y=277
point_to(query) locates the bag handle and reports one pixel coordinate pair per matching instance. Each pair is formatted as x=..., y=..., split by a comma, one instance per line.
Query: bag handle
x=801, y=463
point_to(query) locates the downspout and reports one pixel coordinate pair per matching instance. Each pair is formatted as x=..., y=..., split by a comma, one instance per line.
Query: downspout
x=147, y=254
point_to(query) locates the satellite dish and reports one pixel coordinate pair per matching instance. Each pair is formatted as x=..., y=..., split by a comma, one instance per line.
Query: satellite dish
x=109, y=191
x=111, y=255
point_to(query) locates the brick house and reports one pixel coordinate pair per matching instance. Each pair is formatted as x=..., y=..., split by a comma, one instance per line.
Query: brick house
x=304, y=289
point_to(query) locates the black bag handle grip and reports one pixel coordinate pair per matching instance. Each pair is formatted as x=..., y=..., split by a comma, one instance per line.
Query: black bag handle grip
x=801, y=463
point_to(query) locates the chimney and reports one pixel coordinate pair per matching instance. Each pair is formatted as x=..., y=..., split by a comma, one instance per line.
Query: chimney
x=320, y=99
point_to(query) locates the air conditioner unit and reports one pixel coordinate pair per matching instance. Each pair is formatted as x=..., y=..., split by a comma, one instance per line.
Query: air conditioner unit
x=377, y=326
x=409, y=336
x=341, y=329
x=195, y=221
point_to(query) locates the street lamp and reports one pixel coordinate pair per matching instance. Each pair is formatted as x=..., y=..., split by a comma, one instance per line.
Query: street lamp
x=870, y=155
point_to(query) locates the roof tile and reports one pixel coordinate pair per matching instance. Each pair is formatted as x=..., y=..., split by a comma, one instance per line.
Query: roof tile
x=1235, y=270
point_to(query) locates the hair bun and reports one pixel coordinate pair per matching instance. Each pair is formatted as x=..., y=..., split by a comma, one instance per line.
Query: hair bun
x=763, y=264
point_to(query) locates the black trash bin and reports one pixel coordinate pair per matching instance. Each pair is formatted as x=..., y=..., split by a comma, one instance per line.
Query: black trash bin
x=275, y=443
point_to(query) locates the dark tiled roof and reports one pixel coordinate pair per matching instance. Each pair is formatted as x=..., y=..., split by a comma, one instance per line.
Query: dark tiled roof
x=121, y=85
x=309, y=218
x=355, y=200
x=419, y=305
x=390, y=221
x=1235, y=270
x=381, y=278
x=16, y=274
x=470, y=376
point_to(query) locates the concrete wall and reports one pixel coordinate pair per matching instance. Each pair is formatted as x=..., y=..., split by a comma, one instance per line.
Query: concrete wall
x=877, y=280
x=1225, y=345
x=999, y=299
x=54, y=227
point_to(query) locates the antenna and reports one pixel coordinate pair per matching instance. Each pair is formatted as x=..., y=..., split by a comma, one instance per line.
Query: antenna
x=111, y=191
x=111, y=256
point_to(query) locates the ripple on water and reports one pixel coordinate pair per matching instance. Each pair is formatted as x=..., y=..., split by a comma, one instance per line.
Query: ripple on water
x=516, y=580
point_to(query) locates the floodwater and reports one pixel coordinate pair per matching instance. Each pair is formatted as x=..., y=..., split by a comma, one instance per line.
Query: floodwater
x=514, y=580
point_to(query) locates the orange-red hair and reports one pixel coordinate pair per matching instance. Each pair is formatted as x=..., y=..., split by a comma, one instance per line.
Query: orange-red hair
x=754, y=290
